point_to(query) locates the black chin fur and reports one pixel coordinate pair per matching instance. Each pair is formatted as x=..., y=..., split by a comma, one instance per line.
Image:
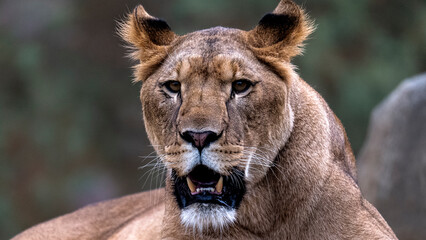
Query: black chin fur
x=232, y=194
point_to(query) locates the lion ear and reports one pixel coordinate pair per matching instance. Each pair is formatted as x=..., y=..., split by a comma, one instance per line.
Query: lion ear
x=282, y=32
x=149, y=39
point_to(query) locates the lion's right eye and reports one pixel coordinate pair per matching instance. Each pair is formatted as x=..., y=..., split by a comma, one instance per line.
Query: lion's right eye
x=172, y=86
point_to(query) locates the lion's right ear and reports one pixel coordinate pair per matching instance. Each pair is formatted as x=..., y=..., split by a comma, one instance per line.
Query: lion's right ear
x=149, y=38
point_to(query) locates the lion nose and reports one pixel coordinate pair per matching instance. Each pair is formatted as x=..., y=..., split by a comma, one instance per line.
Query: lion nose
x=200, y=139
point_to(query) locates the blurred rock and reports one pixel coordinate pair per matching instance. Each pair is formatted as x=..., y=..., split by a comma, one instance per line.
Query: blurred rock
x=392, y=163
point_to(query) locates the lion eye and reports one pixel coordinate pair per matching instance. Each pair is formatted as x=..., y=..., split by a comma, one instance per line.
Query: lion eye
x=241, y=86
x=172, y=86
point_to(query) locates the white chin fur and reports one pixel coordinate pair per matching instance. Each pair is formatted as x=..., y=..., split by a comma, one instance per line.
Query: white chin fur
x=203, y=216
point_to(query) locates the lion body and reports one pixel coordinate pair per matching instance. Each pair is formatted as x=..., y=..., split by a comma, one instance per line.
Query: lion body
x=135, y=216
x=299, y=169
x=329, y=207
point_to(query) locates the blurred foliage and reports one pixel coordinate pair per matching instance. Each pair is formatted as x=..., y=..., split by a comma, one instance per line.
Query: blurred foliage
x=70, y=121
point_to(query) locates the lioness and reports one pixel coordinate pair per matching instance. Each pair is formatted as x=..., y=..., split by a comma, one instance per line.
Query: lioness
x=251, y=150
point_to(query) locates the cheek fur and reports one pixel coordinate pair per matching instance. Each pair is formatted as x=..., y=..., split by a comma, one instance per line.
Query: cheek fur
x=263, y=112
x=159, y=115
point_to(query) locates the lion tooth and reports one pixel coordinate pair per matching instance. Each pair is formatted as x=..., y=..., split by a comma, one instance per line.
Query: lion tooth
x=191, y=185
x=219, y=185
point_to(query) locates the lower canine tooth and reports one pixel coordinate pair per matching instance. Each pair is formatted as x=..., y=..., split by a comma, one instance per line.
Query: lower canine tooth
x=190, y=185
x=219, y=185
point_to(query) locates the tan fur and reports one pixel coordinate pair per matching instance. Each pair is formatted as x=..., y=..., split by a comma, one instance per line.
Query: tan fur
x=299, y=166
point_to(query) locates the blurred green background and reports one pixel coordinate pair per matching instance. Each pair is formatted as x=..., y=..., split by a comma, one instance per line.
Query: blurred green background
x=71, y=130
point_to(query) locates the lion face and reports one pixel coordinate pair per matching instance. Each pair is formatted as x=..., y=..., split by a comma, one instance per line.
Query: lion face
x=215, y=107
x=216, y=116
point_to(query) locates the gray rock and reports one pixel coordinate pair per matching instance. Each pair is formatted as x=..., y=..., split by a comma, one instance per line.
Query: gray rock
x=392, y=162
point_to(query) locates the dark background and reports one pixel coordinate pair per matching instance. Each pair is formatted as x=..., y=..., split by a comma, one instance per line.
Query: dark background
x=71, y=131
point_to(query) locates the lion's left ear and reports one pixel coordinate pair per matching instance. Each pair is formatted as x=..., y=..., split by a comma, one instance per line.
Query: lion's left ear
x=280, y=34
x=149, y=39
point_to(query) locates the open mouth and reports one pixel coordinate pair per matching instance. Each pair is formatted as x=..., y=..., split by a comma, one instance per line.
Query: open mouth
x=203, y=185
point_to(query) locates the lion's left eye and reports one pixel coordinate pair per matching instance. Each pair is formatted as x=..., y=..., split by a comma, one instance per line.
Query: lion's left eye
x=241, y=86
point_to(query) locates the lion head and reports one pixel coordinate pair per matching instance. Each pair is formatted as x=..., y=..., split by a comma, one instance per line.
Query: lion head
x=216, y=106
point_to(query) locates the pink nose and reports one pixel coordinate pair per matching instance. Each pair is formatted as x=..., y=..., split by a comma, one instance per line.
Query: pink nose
x=200, y=139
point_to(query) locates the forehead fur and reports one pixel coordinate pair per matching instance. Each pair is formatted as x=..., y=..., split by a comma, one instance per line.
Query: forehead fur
x=213, y=41
x=216, y=51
